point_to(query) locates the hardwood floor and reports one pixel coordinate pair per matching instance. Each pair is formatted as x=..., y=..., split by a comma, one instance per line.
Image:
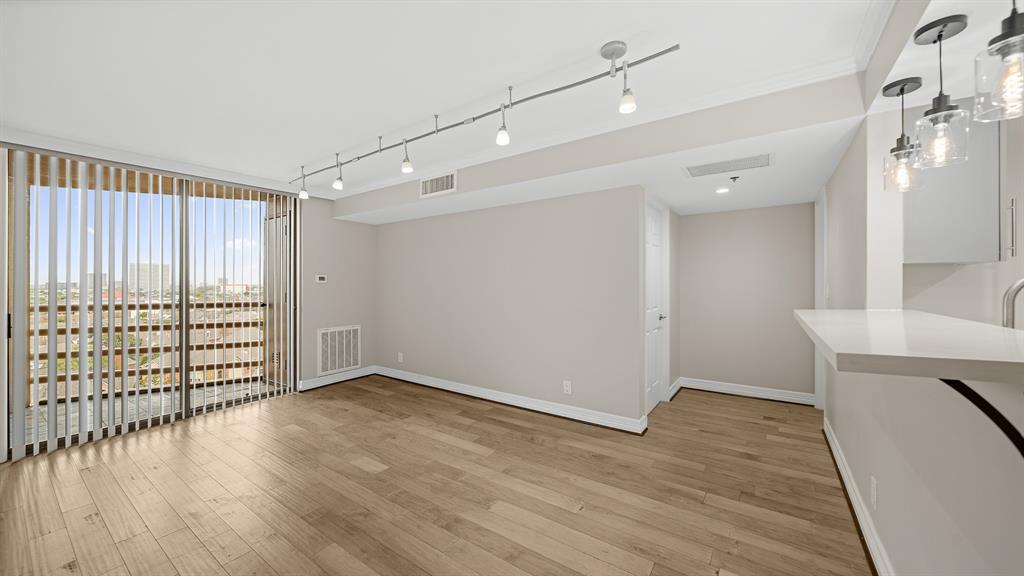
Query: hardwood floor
x=379, y=476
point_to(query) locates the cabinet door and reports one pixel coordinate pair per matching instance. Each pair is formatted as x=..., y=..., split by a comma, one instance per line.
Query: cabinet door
x=1012, y=192
x=954, y=217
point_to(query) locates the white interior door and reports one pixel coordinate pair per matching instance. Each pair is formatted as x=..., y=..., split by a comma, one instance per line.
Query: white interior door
x=655, y=334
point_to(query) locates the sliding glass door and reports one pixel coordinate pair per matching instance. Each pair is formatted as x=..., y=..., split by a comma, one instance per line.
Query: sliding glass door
x=137, y=298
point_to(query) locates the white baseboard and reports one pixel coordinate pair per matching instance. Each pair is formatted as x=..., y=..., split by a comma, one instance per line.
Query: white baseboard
x=860, y=509
x=335, y=378
x=744, y=390
x=673, y=388
x=635, y=425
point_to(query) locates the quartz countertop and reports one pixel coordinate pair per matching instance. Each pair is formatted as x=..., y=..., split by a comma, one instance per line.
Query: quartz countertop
x=915, y=343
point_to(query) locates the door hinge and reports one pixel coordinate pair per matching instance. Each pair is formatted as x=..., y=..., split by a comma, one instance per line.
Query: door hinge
x=10, y=326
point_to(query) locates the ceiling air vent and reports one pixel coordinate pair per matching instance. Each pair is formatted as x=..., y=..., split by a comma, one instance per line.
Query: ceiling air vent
x=726, y=166
x=437, y=186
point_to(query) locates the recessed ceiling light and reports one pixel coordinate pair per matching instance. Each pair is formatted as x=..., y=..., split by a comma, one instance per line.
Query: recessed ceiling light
x=721, y=190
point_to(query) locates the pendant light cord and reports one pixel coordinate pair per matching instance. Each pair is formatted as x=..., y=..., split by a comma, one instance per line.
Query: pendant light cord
x=903, y=115
x=940, y=63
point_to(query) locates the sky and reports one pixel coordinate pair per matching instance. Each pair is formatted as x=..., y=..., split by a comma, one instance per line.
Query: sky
x=225, y=234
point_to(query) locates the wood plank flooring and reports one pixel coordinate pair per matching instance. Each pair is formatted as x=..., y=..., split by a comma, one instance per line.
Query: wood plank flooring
x=382, y=477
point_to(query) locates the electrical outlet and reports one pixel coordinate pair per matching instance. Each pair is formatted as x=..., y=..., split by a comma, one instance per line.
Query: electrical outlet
x=566, y=386
x=401, y=358
x=874, y=494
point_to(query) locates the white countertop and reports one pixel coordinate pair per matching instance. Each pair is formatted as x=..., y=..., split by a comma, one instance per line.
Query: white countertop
x=914, y=343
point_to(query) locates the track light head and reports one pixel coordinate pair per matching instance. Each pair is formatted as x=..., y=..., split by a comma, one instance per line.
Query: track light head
x=627, y=104
x=502, y=138
x=339, y=182
x=303, y=194
x=406, y=164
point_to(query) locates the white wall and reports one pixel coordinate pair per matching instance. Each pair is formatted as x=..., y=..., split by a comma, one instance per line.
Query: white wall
x=741, y=275
x=519, y=298
x=949, y=498
x=347, y=253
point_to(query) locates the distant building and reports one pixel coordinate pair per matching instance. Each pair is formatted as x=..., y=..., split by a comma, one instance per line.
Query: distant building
x=147, y=277
x=92, y=279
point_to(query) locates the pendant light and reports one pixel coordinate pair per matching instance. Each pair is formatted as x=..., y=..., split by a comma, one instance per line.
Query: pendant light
x=999, y=73
x=502, y=139
x=627, y=104
x=339, y=182
x=942, y=134
x=303, y=194
x=901, y=175
x=406, y=164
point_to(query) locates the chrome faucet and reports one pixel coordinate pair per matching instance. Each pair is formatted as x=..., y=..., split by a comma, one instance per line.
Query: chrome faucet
x=1010, y=303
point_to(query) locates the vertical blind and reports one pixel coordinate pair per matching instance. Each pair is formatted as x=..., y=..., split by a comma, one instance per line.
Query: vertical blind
x=136, y=298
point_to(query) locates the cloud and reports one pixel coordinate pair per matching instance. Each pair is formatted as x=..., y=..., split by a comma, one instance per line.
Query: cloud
x=239, y=244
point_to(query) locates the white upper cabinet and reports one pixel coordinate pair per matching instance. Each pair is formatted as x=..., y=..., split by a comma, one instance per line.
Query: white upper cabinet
x=955, y=216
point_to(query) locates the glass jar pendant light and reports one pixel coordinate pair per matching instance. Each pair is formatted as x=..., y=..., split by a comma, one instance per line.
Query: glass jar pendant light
x=901, y=175
x=941, y=135
x=999, y=73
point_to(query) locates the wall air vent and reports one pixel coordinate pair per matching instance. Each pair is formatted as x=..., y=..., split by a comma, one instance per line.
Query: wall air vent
x=729, y=166
x=340, y=349
x=437, y=186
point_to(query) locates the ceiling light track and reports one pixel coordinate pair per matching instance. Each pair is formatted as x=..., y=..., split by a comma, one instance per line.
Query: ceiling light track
x=610, y=73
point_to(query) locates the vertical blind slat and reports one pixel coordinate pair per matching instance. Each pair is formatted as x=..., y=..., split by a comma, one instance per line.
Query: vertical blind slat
x=124, y=301
x=35, y=197
x=51, y=317
x=112, y=224
x=19, y=346
x=68, y=231
x=83, y=303
x=97, y=298
x=4, y=270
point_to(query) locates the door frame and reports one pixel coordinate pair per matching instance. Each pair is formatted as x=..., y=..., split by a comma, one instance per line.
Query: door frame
x=666, y=339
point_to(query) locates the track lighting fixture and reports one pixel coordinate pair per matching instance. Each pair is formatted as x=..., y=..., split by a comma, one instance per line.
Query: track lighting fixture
x=406, y=164
x=303, y=194
x=999, y=73
x=502, y=138
x=901, y=175
x=339, y=182
x=942, y=133
x=611, y=51
x=627, y=104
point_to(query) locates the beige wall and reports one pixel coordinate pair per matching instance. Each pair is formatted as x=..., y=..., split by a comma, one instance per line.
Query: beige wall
x=347, y=253
x=519, y=298
x=741, y=275
x=948, y=480
x=846, y=244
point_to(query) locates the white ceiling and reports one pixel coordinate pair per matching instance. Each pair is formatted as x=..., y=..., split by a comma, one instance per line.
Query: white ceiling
x=258, y=88
x=958, y=53
x=802, y=162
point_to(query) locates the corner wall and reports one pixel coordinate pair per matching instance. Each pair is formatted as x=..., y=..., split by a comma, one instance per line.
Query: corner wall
x=347, y=253
x=740, y=276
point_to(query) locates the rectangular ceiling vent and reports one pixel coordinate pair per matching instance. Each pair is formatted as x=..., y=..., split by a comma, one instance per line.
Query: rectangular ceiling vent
x=437, y=186
x=728, y=166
